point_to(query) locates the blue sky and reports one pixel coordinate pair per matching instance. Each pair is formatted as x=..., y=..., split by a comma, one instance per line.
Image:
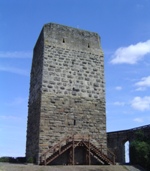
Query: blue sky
x=124, y=28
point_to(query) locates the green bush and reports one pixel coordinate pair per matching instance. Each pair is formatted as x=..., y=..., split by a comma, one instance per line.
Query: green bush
x=8, y=159
x=30, y=160
x=140, y=151
x=13, y=160
x=21, y=159
x=4, y=159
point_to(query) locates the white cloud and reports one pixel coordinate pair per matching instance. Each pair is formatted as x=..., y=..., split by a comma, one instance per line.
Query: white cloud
x=15, y=54
x=131, y=54
x=143, y=83
x=140, y=120
x=141, y=104
x=14, y=70
x=119, y=103
x=118, y=88
x=140, y=89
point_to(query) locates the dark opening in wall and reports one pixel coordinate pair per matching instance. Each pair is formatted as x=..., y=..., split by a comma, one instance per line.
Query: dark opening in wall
x=63, y=40
x=73, y=61
x=88, y=45
x=74, y=122
x=75, y=89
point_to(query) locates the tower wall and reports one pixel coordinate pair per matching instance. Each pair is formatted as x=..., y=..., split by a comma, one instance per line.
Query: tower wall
x=67, y=93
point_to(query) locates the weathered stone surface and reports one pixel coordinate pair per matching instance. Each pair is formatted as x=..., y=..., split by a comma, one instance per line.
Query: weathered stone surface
x=116, y=140
x=67, y=93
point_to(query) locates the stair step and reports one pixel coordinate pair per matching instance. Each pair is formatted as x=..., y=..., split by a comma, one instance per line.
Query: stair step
x=57, y=151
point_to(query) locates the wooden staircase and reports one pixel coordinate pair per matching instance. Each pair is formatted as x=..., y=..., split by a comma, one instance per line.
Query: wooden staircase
x=102, y=155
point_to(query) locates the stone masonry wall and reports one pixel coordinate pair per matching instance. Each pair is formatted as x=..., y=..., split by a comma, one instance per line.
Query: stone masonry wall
x=70, y=84
x=34, y=104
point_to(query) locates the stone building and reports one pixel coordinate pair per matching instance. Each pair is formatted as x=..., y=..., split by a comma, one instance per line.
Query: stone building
x=116, y=141
x=67, y=91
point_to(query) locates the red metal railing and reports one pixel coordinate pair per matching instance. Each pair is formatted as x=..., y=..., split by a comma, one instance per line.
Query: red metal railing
x=72, y=142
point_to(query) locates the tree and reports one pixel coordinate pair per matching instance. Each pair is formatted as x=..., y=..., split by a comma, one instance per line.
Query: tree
x=140, y=151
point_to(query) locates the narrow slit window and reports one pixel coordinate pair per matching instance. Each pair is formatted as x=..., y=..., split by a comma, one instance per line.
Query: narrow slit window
x=63, y=40
x=74, y=122
x=88, y=45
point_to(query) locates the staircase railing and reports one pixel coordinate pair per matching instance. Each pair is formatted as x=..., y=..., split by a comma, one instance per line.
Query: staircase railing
x=76, y=138
x=106, y=151
x=111, y=156
x=53, y=149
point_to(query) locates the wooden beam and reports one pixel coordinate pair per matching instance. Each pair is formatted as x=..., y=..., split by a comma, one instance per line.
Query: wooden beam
x=45, y=159
x=73, y=150
x=89, y=150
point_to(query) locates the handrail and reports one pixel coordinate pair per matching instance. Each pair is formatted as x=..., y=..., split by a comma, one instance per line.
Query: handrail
x=66, y=139
x=106, y=150
x=52, y=149
x=73, y=138
x=111, y=154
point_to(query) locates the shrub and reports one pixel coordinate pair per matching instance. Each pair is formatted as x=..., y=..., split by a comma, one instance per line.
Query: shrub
x=30, y=160
x=140, y=151
x=4, y=159
x=13, y=160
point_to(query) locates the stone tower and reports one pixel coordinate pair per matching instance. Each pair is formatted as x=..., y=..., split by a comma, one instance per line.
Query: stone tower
x=67, y=93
